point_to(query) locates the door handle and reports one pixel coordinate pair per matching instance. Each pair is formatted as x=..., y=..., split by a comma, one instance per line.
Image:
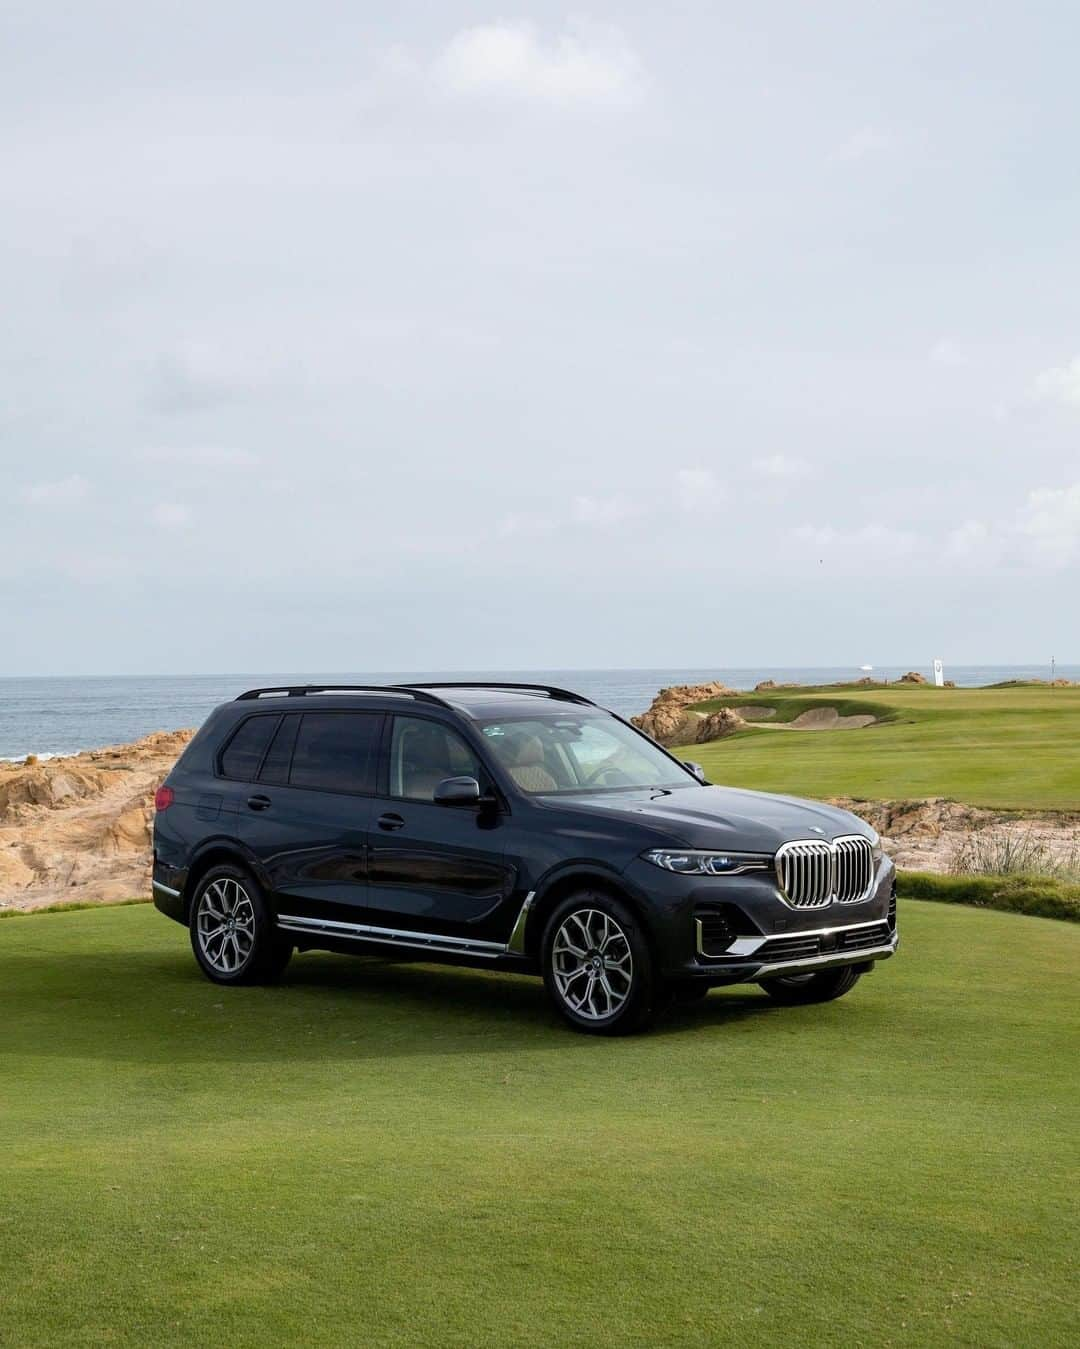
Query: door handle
x=390, y=821
x=258, y=802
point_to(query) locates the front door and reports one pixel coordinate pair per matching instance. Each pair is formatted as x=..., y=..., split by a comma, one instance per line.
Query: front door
x=436, y=869
x=307, y=813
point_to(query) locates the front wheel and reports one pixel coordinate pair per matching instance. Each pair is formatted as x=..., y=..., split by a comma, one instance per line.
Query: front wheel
x=796, y=990
x=232, y=932
x=598, y=969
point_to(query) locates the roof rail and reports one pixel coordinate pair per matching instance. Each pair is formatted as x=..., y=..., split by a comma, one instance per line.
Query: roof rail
x=306, y=690
x=557, y=694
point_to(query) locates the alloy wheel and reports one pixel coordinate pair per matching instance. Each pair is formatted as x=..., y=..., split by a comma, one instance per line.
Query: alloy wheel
x=225, y=925
x=592, y=964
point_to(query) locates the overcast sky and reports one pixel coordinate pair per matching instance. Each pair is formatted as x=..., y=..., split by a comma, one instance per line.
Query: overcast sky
x=366, y=336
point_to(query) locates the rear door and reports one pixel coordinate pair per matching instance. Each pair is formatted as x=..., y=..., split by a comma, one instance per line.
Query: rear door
x=436, y=869
x=307, y=813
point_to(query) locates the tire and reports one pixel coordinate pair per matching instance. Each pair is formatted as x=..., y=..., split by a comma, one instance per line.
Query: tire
x=617, y=997
x=799, y=990
x=251, y=951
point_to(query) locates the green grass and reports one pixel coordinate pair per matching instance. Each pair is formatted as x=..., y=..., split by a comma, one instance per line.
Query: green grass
x=1009, y=748
x=380, y=1154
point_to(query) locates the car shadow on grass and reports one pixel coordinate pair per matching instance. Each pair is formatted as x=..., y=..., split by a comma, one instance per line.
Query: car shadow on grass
x=134, y=1005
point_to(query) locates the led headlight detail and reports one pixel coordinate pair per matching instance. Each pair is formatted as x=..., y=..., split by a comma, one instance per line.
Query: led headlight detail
x=877, y=850
x=694, y=862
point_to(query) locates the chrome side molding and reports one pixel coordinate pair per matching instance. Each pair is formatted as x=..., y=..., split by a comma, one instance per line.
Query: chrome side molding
x=516, y=944
x=390, y=936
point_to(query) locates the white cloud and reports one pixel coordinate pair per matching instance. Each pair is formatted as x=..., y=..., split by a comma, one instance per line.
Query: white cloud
x=697, y=489
x=1050, y=523
x=781, y=466
x=866, y=141
x=968, y=540
x=516, y=525
x=585, y=63
x=1060, y=384
x=201, y=456
x=60, y=493
x=871, y=543
x=169, y=515
x=948, y=353
x=603, y=511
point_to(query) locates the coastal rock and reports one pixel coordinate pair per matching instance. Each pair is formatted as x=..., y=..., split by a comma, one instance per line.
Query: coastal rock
x=716, y=725
x=78, y=827
x=940, y=836
x=668, y=720
x=912, y=677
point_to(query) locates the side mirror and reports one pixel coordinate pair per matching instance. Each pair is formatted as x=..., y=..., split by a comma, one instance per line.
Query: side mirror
x=697, y=771
x=457, y=792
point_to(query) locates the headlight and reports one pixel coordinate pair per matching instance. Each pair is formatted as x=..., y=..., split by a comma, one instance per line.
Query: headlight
x=875, y=845
x=692, y=862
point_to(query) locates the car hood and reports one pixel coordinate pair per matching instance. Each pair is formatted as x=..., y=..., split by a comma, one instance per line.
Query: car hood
x=722, y=817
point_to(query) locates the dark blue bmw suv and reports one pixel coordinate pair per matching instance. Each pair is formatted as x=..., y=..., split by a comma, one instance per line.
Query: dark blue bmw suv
x=517, y=826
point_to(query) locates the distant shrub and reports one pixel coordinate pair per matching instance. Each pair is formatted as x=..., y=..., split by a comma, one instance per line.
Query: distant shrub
x=30, y=760
x=1041, y=896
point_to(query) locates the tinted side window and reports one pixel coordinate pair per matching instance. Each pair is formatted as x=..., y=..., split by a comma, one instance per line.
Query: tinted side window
x=279, y=756
x=244, y=752
x=424, y=753
x=336, y=751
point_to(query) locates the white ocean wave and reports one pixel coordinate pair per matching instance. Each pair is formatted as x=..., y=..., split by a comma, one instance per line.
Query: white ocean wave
x=41, y=758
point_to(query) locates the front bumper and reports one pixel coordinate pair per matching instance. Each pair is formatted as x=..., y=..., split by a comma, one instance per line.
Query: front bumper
x=751, y=959
x=742, y=929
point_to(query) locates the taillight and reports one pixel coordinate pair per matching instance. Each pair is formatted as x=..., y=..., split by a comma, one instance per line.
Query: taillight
x=163, y=798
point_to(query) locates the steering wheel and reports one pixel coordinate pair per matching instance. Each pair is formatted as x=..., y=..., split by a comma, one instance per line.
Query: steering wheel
x=607, y=776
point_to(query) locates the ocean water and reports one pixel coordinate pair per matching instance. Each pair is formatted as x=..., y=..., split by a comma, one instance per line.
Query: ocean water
x=58, y=715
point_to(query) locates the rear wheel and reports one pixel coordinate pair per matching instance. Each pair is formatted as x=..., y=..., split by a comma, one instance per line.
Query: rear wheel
x=598, y=969
x=232, y=932
x=797, y=989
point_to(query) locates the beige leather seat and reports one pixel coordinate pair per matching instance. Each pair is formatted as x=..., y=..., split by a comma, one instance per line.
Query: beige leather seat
x=528, y=769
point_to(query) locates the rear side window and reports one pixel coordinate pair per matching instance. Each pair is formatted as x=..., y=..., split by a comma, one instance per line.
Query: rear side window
x=336, y=751
x=245, y=750
x=275, y=767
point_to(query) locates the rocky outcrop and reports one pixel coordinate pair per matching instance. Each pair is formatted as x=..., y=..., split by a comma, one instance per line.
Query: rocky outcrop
x=670, y=723
x=79, y=827
x=912, y=677
x=716, y=725
x=940, y=835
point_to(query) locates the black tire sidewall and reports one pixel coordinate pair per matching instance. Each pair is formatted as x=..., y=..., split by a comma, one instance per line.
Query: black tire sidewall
x=823, y=987
x=640, y=1007
x=269, y=955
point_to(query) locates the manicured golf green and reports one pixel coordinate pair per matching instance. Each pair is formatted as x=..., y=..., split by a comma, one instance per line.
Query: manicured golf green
x=1011, y=748
x=380, y=1154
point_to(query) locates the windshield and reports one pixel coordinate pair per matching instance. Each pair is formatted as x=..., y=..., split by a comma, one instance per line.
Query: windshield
x=579, y=753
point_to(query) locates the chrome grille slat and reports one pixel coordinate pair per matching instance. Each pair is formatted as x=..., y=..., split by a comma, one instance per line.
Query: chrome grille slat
x=813, y=872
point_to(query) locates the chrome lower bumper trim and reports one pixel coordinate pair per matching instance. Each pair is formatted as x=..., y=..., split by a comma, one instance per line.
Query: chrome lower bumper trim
x=811, y=963
x=390, y=936
x=749, y=946
x=165, y=890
